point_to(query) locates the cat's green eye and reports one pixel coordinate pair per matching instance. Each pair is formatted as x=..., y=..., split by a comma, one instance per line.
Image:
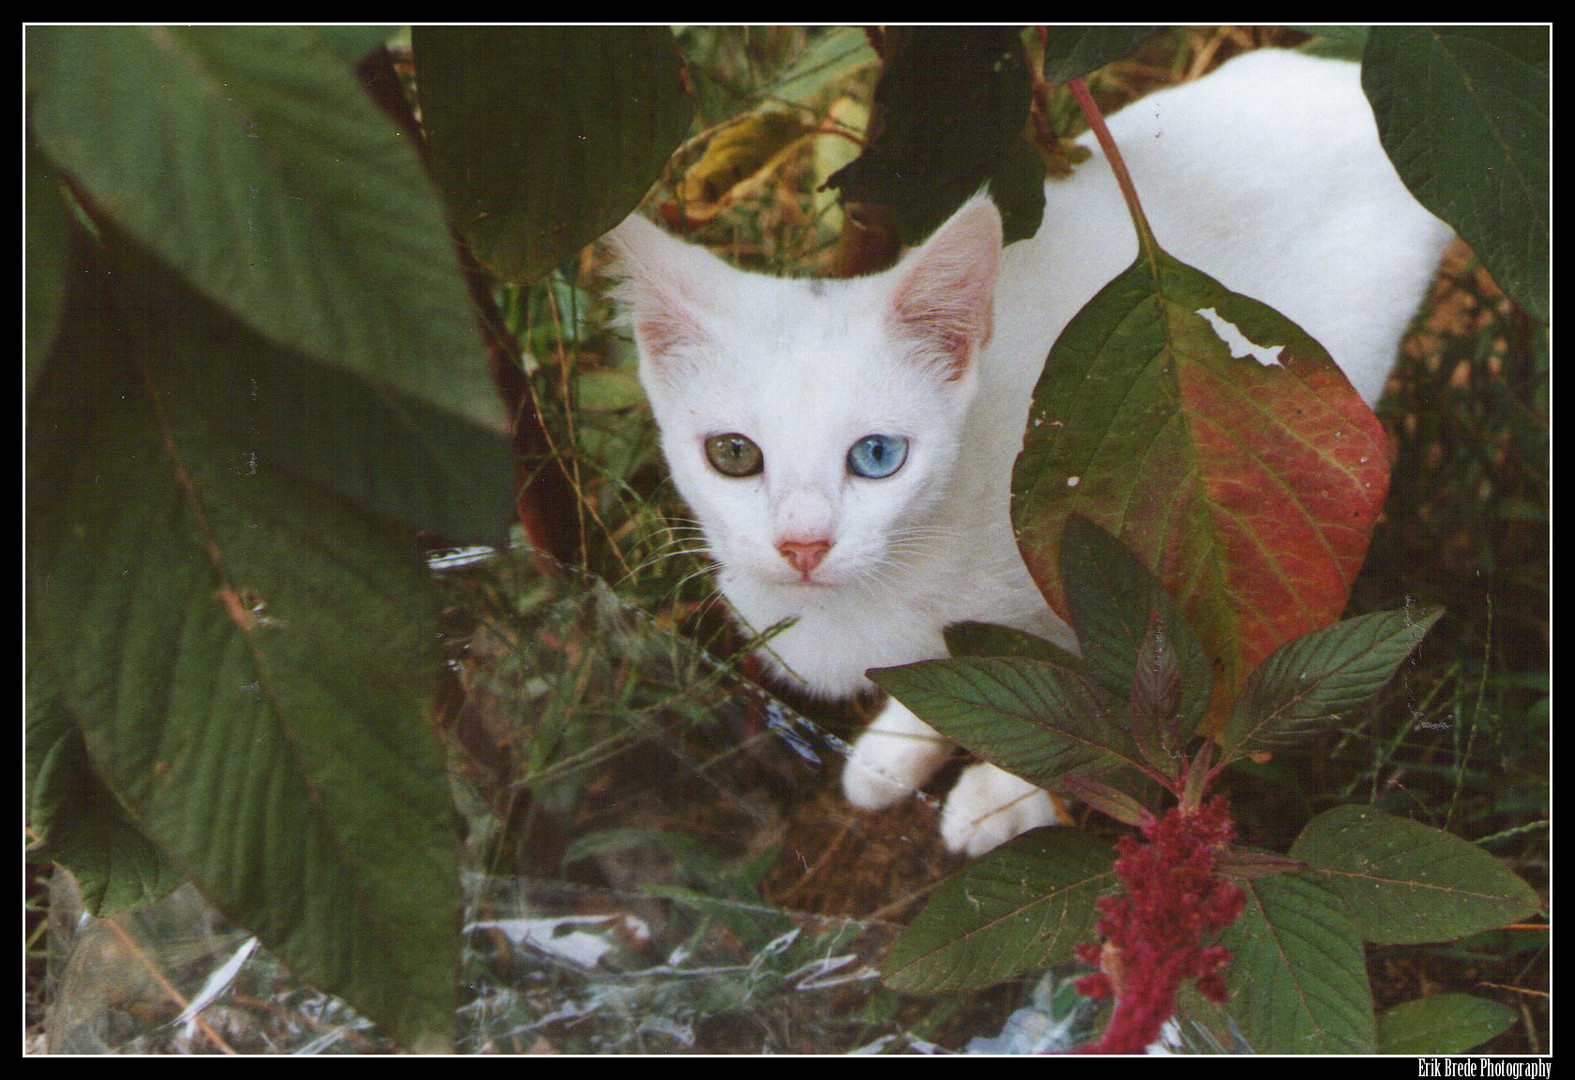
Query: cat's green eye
x=734, y=455
x=876, y=457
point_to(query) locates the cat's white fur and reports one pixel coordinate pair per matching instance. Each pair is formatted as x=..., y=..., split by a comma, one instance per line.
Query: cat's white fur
x=1267, y=175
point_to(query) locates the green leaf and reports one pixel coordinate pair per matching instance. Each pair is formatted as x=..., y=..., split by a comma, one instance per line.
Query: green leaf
x=1024, y=906
x=1308, y=684
x=988, y=639
x=545, y=137
x=350, y=43
x=399, y=456
x=48, y=226
x=1354, y=35
x=251, y=664
x=250, y=160
x=1297, y=981
x=1112, y=599
x=1033, y=719
x=1463, y=112
x=1073, y=51
x=828, y=60
x=1442, y=1024
x=948, y=115
x=1156, y=701
x=82, y=825
x=1251, y=488
x=1406, y=882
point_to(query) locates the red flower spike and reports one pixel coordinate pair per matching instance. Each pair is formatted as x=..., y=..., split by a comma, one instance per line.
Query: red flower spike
x=1154, y=933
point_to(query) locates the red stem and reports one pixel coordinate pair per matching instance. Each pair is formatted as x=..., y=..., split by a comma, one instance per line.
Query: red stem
x=1096, y=121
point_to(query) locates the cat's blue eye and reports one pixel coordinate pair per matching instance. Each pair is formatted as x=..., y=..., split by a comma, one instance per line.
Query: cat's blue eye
x=734, y=455
x=877, y=456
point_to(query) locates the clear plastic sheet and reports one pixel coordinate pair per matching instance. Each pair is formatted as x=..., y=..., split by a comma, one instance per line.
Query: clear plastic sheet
x=657, y=861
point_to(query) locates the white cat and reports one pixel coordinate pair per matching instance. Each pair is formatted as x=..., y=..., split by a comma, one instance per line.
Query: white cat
x=847, y=445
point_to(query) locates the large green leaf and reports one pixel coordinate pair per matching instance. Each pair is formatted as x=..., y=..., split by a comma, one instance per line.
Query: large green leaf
x=1250, y=488
x=82, y=826
x=48, y=229
x=400, y=456
x=1033, y=719
x=1024, y=906
x=1463, y=112
x=1297, y=981
x=1442, y=1024
x=948, y=118
x=545, y=137
x=990, y=639
x=1074, y=51
x=250, y=662
x=1308, y=684
x=250, y=160
x=1407, y=882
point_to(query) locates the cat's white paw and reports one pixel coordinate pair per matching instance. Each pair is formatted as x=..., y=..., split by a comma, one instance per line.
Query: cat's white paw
x=988, y=807
x=894, y=757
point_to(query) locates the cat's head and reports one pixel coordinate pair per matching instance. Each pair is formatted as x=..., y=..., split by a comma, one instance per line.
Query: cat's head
x=811, y=424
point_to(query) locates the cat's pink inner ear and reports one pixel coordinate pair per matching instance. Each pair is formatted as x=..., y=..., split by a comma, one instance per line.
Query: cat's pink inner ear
x=661, y=327
x=945, y=294
x=658, y=273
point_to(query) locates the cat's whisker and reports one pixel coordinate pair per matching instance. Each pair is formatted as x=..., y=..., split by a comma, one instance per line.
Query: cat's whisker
x=702, y=550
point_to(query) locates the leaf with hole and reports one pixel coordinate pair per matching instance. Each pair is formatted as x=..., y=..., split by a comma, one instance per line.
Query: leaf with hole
x=1250, y=488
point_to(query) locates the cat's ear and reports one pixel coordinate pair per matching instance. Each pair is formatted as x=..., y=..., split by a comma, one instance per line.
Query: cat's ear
x=945, y=290
x=667, y=287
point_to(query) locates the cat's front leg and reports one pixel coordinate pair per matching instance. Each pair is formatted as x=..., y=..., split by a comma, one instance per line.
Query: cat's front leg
x=894, y=757
x=990, y=806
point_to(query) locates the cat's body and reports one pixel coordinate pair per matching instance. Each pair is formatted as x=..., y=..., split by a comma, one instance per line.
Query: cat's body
x=1267, y=175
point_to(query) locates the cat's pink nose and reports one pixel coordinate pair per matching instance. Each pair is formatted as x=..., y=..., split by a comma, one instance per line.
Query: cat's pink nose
x=805, y=555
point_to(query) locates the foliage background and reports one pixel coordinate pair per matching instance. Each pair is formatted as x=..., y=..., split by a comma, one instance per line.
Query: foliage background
x=559, y=693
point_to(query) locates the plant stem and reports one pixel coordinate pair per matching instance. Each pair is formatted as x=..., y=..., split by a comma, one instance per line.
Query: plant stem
x=1096, y=121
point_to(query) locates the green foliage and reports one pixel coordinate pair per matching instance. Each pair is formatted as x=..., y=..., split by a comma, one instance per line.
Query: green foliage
x=949, y=114
x=1022, y=907
x=83, y=824
x=1441, y=1024
x=1463, y=113
x=1307, y=684
x=1298, y=981
x=1073, y=51
x=1123, y=617
x=1404, y=881
x=249, y=161
x=543, y=138
x=1298, y=978
x=266, y=376
x=1126, y=429
x=48, y=252
x=1031, y=718
x=248, y=662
